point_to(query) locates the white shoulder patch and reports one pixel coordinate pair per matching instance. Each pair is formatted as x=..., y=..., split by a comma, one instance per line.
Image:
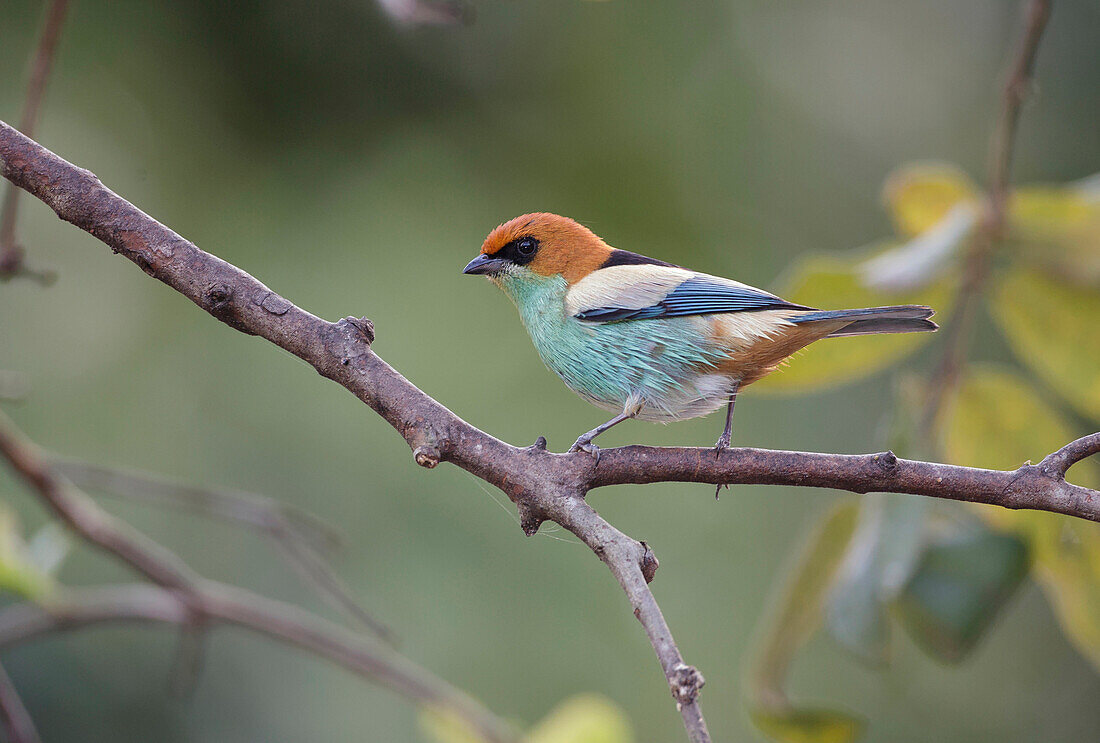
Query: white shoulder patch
x=628, y=287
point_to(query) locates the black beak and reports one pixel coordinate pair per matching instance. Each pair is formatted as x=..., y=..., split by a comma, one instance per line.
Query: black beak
x=483, y=264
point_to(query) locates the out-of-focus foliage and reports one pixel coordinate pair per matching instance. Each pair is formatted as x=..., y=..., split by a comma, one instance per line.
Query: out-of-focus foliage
x=804, y=725
x=834, y=282
x=1000, y=421
x=920, y=195
x=442, y=725
x=18, y=572
x=584, y=718
x=1052, y=325
x=962, y=581
x=788, y=626
x=879, y=560
x=947, y=579
x=1057, y=228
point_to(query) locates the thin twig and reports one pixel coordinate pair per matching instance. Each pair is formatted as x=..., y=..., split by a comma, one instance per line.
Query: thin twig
x=11, y=253
x=196, y=602
x=300, y=537
x=544, y=486
x=251, y=510
x=223, y=604
x=80, y=513
x=1060, y=461
x=17, y=722
x=1017, y=86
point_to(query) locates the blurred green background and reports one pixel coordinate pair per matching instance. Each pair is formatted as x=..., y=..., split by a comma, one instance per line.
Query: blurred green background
x=355, y=166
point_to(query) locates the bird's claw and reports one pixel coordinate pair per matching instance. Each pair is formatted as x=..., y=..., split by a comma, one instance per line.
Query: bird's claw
x=586, y=446
x=722, y=444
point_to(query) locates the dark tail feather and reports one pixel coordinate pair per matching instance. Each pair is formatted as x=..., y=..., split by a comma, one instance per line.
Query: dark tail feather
x=909, y=318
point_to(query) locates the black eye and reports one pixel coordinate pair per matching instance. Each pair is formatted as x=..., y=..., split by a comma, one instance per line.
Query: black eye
x=526, y=246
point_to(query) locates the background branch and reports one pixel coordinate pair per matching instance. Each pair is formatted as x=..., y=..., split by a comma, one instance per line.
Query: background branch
x=1017, y=86
x=219, y=603
x=193, y=603
x=300, y=537
x=17, y=722
x=11, y=253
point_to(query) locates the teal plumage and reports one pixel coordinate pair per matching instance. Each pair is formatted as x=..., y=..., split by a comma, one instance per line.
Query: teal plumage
x=618, y=365
x=647, y=339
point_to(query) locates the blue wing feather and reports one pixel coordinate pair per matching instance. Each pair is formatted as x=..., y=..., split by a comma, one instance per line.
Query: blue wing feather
x=699, y=295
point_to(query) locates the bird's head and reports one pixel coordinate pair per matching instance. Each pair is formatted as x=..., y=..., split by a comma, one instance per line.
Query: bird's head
x=536, y=246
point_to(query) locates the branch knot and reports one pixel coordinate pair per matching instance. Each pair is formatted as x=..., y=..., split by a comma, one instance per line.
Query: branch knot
x=363, y=326
x=426, y=456
x=685, y=682
x=649, y=563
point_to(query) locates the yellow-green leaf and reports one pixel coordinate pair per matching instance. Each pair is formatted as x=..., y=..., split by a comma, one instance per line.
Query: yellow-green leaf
x=807, y=725
x=443, y=725
x=1054, y=328
x=998, y=421
x=831, y=282
x=585, y=718
x=17, y=573
x=787, y=627
x=920, y=195
x=1058, y=229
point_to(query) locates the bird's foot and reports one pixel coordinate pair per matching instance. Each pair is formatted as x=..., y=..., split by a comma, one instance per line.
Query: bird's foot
x=721, y=445
x=585, y=444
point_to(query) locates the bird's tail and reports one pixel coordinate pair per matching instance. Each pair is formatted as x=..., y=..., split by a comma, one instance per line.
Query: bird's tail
x=909, y=318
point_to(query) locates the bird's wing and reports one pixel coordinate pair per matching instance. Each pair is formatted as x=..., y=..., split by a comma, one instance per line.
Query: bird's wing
x=642, y=292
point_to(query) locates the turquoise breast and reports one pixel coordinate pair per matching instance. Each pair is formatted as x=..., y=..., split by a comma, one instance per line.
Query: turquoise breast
x=662, y=367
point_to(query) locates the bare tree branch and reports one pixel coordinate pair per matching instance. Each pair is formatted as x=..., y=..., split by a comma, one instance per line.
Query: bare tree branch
x=1017, y=87
x=300, y=536
x=544, y=486
x=991, y=229
x=266, y=515
x=193, y=603
x=222, y=604
x=11, y=253
x=16, y=720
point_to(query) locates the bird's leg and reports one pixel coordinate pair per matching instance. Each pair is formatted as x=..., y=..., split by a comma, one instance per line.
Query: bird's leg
x=584, y=442
x=724, y=440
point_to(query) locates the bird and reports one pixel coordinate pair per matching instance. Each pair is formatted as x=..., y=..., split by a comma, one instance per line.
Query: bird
x=646, y=339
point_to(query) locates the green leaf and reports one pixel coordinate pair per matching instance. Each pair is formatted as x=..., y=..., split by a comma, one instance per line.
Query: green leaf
x=788, y=626
x=807, y=725
x=443, y=725
x=1058, y=229
x=832, y=283
x=999, y=422
x=1053, y=327
x=961, y=584
x=880, y=558
x=18, y=574
x=1068, y=564
x=585, y=718
x=920, y=195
